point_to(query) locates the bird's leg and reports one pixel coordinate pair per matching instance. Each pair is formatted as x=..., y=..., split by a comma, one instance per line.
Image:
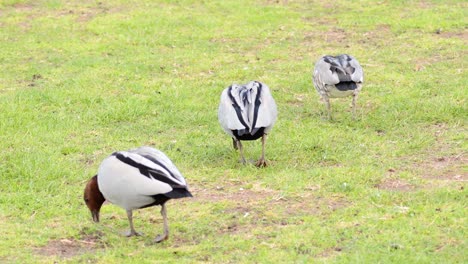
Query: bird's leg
x=327, y=102
x=132, y=231
x=234, y=143
x=165, y=235
x=262, y=162
x=355, y=96
x=239, y=146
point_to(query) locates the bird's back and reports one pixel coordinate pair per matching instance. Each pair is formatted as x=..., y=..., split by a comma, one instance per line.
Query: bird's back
x=138, y=178
x=337, y=76
x=246, y=109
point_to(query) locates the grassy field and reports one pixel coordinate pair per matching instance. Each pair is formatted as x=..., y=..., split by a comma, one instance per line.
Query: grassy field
x=81, y=79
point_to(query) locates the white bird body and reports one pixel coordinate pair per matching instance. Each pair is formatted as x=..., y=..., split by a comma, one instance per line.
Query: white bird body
x=121, y=181
x=336, y=77
x=244, y=109
x=125, y=186
x=247, y=112
x=134, y=179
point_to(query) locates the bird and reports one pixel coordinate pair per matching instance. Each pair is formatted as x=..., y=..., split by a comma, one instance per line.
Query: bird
x=135, y=179
x=338, y=76
x=247, y=112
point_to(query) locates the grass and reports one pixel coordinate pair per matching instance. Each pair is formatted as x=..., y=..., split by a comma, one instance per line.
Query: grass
x=81, y=79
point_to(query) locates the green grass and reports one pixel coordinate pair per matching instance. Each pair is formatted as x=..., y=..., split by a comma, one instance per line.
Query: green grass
x=81, y=79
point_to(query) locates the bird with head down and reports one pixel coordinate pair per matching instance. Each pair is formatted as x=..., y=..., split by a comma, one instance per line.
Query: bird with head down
x=247, y=112
x=338, y=76
x=135, y=179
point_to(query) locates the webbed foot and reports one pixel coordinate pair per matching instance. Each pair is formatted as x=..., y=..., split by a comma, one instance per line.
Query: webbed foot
x=261, y=163
x=131, y=233
x=161, y=238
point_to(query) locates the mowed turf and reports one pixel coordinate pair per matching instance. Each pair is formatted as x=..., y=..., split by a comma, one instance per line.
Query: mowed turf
x=82, y=79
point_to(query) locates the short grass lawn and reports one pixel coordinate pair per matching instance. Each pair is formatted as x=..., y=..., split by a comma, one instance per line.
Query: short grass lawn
x=82, y=79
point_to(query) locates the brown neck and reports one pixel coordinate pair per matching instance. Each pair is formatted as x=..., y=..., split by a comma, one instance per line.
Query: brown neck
x=93, y=196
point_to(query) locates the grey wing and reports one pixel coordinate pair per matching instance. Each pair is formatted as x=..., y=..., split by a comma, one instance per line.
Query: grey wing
x=323, y=73
x=358, y=75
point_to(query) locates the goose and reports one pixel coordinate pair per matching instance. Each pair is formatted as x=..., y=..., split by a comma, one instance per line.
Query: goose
x=135, y=179
x=338, y=76
x=247, y=112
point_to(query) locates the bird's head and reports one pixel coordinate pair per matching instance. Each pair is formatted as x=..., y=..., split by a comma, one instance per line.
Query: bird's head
x=93, y=198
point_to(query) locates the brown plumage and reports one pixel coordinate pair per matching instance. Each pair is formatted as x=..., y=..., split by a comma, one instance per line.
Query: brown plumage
x=93, y=198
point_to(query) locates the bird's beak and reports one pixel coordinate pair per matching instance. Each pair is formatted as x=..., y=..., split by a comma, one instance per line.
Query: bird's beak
x=95, y=215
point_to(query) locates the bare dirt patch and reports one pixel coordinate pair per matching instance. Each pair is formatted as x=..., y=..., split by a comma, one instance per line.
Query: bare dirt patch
x=255, y=201
x=234, y=192
x=245, y=207
x=70, y=247
x=442, y=164
x=380, y=35
x=90, y=13
x=297, y=101
x=87, y=13
x=329, y=252
x=309, y=205
x=276, y=2
x=395, y=185
x=421, y=63
x=425, y=5
x=23, y=6
x=449, y=168
x=463, y=35
x=334, y=35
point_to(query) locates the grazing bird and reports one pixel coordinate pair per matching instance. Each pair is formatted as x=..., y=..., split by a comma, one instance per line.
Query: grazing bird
x=338, y=76
x=135, y=179
x=247, y=112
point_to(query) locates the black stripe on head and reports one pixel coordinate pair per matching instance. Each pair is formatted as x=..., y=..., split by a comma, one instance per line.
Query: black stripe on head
x=146, y=171
x=257, y=103
x=237, y=108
